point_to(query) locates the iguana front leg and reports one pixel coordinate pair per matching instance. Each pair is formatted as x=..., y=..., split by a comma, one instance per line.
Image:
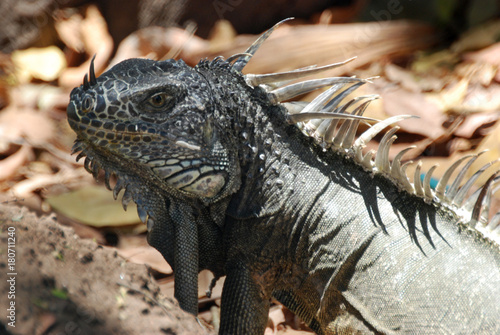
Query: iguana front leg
x=244, y=307
x=186, y=264
x=175, y=235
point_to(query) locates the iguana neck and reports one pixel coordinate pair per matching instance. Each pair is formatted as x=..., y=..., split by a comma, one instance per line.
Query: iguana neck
x=243, y=114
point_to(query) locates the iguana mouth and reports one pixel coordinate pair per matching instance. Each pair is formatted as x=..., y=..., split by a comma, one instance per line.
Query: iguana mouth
x=121, y=132
x=115, y=135
x=85, y=125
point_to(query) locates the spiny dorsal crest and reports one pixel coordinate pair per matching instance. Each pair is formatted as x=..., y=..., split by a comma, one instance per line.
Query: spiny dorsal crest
x=333, y=124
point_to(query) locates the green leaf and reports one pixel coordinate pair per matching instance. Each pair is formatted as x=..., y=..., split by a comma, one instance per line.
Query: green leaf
x=40, y=303
x=58, y=255
x=59, y=293
x=94, y=206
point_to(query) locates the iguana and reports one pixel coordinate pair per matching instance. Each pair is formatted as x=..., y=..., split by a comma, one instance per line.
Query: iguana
x=279, y=197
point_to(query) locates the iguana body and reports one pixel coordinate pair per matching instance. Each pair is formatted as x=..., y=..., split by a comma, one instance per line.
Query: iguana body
x=224, y=182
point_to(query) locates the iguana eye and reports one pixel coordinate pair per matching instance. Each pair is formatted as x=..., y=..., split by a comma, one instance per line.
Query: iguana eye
x=87, y=103
x=159, y=99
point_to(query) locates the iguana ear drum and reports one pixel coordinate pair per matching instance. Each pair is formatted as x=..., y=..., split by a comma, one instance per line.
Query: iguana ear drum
x=203, y=181
x=190, y=176
x=207, y=186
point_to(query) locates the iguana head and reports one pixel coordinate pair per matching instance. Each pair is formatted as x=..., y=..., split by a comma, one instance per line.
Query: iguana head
x=156, y=116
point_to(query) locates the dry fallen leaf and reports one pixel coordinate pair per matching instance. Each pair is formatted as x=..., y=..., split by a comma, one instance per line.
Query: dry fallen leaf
x=41, y=63
x=403, y=77
x=167, y=286
x=156, y=42
x=11, y=164
x=204, y=279
x=450, y=97
x=34, y=182
x=97, y=41
x=478, y=37
x=476, y=122
x=290, y=331
x=477, y=72
x=489, y=55
x=276, y=318
x=492, y=144
x=292, y=47
x=222, y=35
x=399, y=101
x=481, y=99
x=18, y=125
x=434, y=61
x=144, y=254
x=68, y=30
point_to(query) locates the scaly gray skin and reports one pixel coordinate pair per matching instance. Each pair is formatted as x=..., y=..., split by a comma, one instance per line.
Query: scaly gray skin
x=224, y=182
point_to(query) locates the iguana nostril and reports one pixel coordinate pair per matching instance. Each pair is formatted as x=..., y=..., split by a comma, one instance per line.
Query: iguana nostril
x=71, y=111
x=87, y=103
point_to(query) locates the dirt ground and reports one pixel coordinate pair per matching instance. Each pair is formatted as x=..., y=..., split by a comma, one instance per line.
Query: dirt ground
x=64, y=280
x=63, y=284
